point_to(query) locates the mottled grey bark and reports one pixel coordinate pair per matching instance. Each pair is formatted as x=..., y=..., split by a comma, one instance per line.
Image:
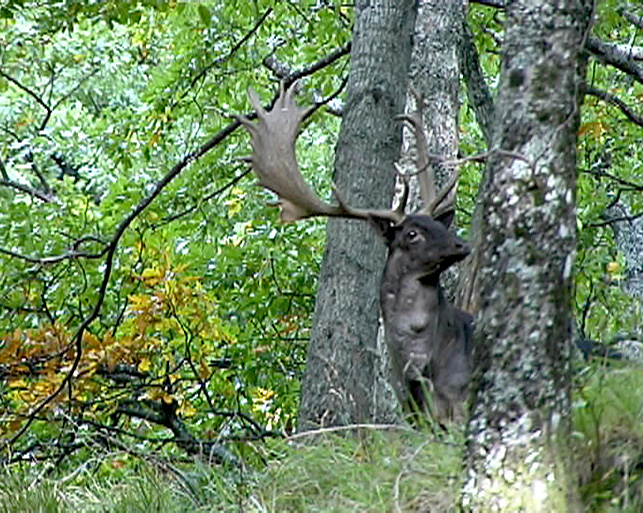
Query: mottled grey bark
x=342, y=383
x=435, y=73
x=517, y=458
x=628, y=234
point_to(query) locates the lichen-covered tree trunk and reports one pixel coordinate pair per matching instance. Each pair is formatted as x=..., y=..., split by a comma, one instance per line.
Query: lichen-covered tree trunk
x=436, y=75
x=517, y=456
x=343, y=383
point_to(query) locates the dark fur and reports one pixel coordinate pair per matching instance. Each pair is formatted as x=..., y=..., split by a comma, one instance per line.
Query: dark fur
x=429, y=340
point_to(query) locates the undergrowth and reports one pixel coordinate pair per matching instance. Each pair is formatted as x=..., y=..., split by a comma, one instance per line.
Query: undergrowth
x=367, y=470
x=608, y=419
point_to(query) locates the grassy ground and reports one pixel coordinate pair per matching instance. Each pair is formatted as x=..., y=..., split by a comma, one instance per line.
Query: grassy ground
x=373, y=471
x=367, y=470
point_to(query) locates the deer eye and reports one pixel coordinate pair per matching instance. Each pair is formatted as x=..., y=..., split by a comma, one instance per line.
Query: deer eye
x=412, y=235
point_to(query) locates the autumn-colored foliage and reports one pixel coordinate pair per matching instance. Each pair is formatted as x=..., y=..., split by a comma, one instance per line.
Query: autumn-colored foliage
x=169, y=332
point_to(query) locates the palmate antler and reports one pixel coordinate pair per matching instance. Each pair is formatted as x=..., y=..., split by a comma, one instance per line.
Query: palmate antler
x=273, y=160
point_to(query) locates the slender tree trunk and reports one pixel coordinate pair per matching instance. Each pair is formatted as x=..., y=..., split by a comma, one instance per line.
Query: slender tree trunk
x=482, y=102
x=517, y=456
x=343, y=383
x=435, y=74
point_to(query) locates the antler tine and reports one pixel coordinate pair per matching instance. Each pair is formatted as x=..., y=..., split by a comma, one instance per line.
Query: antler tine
x=404, y=196
x=435, y=203
x=439, y=205
x=415, y=121
x=275, y=164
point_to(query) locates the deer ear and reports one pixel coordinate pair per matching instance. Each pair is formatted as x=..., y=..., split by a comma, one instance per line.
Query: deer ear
x=446, y=217
x=384, y=227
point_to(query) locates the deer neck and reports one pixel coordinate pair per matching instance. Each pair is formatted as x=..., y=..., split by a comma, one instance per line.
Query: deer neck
x=415, y=303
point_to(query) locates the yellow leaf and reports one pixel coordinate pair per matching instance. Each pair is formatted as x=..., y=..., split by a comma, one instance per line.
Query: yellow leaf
x=145, y=365
x=234, y=206
x=187, y=410
x=204, y=370
x=17, y=383
x=595, y=128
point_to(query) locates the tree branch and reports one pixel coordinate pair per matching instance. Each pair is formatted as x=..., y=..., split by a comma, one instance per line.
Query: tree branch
x=477, y=91
x=320, y=64
x=3, y=171
x=233, y=50
x=614, y=55
x=499, y=4
x=27, y=90
x=615, y=100
x=27, y=190
x=165, y=415
x=611, y=221
x=605, y=174
x=636, y=20
x=65, y=96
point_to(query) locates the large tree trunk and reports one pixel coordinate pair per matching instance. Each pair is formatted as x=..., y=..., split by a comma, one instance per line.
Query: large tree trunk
x=343, y=383
x=517, y=458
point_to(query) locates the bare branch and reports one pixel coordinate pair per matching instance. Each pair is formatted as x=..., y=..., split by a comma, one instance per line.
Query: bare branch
x=605, y=174
x=614, y=55
x=283, y=71
x=27, y=190
x=41, y=178
x=3, y=171
x=331, y=58
x=233, y=50
x=499, y=4
x=611, y=221
x=189, y=210
x=615, y=100
x=279, y=69
x=65, y=96
x=27, y=90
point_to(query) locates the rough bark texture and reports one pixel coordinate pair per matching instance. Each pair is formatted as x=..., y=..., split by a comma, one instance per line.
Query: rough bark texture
x=435, y=73
x=343, y=383
x=628, y=234
x=516, y=458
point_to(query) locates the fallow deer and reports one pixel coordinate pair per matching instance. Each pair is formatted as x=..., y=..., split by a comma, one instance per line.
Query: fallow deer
x=429, y=340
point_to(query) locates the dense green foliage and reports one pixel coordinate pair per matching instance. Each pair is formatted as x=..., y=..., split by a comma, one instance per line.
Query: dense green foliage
x=130, y=229
x=206, y=288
